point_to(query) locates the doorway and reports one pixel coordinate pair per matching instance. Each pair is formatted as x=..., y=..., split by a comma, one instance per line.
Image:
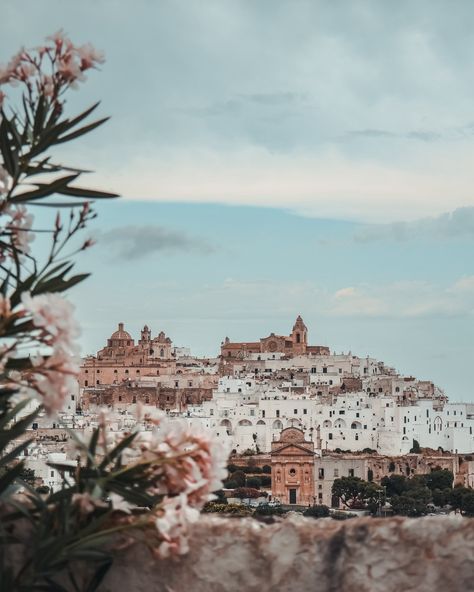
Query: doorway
x=292, y=496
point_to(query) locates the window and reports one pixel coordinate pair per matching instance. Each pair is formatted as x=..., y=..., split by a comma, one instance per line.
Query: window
x=86, y=383
x=292, y=472
x=263, y=412
x=115, y=371
x=176, y=384
x=305, y=411
x=72, y=397
x=295, y=411
x=336, y=472
x=329, y=436
x=342, y=412
x=325, y=370
x=120, y=397
x=351, y=472
x=313, y=370
x=52, y=473
x=211, y=411
x=97, y=381
x=86, y=371
x=357, y=414
x=321, y=473
x=134, y=400
x=278, y=413
x=147, y=400
x=98, y=371
x=126, y=371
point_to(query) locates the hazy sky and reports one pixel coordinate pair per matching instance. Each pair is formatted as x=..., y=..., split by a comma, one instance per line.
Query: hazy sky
x=341, y=133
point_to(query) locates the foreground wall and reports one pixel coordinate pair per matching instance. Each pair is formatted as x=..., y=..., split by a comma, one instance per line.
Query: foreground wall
x=433, y=554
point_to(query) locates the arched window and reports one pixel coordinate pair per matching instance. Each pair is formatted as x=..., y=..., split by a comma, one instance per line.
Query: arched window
x=298, y=338
x=339, y=423
x=244, y=422
x=356, y=425
x=327, y=423
x=162, y=353
x=277, y=425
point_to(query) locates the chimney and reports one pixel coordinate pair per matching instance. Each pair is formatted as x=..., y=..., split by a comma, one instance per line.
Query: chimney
x=120, y=326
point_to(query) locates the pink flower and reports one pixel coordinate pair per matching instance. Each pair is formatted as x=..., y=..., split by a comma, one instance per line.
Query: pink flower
x=90, y=56
x=174, y=524
x=53, y=315
x=183, y=459
x=53, y=379
x=87, y=503
x=20, y=228
x=119, y=504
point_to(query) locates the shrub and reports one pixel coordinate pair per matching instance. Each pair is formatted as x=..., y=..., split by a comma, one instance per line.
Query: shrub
x=228, y=509
x=254, y=482
x=266, y=481
x=267, y=469
x=317, y=512
x=232, y=468
x=239, y=477
x=338, y=515
x=247, y=493
x=415, y=449
x=266, y=510
x=230, y=484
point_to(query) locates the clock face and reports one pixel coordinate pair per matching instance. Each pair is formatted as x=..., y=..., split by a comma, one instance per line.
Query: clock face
x=272, y=346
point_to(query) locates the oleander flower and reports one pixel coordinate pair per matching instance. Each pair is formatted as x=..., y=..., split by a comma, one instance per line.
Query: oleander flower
x=53, y=315
x=20, y=228
x=87, y=503
x=53, y=378
x=182, y=459
x=173, y=525
x=89, y=56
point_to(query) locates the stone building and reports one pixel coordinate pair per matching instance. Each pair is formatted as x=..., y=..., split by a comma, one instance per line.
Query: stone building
x=123, y=360
x=292, y=461
x=290, y=345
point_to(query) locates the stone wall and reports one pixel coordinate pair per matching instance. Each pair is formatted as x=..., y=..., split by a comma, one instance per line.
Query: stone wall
x=432, y=554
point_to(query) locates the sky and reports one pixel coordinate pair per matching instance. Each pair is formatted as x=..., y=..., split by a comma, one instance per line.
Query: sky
x=279, y=158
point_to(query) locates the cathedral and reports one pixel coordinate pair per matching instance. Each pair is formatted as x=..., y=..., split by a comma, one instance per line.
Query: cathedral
x=291, y=345
x=122, y=359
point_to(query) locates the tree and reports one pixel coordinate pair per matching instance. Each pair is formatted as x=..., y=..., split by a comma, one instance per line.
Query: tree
x=467, y=503
x=412, y=503
x=456, y=497
x=439, y=479
x=441, y=497
x=267, y=469
x=394, y=484
x=415, y=449
x=239, y=477
x=254, y=482
x=354, y=492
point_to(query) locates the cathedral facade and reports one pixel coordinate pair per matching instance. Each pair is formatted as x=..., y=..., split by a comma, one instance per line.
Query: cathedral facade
x=291, y=345
x=123, y=360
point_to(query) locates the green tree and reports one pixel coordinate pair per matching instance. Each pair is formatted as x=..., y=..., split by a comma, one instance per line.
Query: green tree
x=354, y=492
x=416, y=447
x=467, y=503
x=394, y=485
x=439, y=479
x=254, y=482
x=239, y=477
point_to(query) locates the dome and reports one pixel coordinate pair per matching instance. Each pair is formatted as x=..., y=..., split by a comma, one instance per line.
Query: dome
x=121, y=333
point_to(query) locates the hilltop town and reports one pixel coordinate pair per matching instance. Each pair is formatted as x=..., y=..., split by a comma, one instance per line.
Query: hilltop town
x=310, y=414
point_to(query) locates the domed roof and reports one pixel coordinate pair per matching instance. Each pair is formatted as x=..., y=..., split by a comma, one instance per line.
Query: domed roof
x=121, y=333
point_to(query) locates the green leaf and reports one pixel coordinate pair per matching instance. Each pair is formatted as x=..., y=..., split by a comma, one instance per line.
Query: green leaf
x=9, y=477
x=13, y=454
x=81, y=131
x=44, y=189
x=87, y=193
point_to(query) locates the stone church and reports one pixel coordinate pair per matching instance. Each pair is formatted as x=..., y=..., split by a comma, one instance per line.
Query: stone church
x=290, y=345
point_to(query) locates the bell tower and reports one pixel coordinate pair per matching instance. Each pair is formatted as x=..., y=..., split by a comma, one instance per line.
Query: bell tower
x=299, y=336
x=145, y=335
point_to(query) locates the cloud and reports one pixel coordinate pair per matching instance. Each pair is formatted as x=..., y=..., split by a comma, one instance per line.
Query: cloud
x=135, y=242
x=404, y=300
x=258, y=299
x=456, y=224
x=423, y=135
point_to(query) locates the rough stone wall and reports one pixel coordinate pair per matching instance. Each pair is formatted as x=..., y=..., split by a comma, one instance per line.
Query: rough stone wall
x=432, y=554
x=162, y=397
